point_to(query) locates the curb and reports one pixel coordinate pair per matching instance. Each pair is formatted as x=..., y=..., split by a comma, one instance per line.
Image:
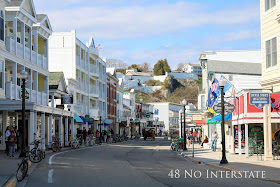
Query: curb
x=223, y=167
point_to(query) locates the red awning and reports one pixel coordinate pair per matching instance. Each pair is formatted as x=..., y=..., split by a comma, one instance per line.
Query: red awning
x=200, y=122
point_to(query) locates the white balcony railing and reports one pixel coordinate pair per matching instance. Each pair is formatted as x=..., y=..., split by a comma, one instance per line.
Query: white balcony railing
x=40, y=98
x=40, y=60
x=19, y=50
x=45, y=63
x=27, y=54
x=34, y=57
x=33, y=96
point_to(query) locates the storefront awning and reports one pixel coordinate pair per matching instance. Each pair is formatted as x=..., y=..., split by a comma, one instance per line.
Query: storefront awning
x=83, y=120
x=218, y=118
x=77, y=119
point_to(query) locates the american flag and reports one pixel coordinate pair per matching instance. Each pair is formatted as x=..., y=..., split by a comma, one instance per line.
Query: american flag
x=98, y=47
x=214, y=85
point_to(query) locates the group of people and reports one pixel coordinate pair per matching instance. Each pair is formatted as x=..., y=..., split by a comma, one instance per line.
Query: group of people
x=214, y=140
x=103, y=135
x=11, y=140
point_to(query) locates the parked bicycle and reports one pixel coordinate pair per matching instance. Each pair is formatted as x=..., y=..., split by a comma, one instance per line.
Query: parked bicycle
x=90, y=141
x=75, y=143
x=36, y=154
x=23, y=168
x=175, y=145
x=56, y=145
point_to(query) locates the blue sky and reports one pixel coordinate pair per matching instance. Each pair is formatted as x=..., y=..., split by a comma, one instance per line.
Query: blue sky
x=148, y=30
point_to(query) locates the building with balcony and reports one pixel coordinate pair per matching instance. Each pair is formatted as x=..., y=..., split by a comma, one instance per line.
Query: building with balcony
x=121, y=119
x=84, y=71
x=112, y=83
x=24, y=37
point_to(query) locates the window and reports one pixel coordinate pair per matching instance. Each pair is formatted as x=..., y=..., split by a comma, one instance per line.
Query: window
x=2, y=27
x=1, y=74
x=271, y=52
x=269, y=4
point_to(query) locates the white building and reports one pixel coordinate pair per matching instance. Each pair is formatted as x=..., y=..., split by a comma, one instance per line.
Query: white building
x=192, y=68
x=241, y=68
x=84, y=70
x=24, y=39
x=169, y=114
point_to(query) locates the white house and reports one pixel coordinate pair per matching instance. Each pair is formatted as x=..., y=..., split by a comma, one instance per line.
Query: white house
x=192, y=68
x=84, y=70
x=24, y=37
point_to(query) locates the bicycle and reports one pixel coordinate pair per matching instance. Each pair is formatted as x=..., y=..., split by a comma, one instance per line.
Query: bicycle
x=90, y=141
x=36, y=154
x=75, y=143
x=22, y=168
x=56, y=145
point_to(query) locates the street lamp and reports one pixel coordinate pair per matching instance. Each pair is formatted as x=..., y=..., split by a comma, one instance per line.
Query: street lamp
x=181, y=124
x=100, y=124
x=184, y=102
x=224, y=159
x=23, y=75
x=131, y=122
x=69, y=107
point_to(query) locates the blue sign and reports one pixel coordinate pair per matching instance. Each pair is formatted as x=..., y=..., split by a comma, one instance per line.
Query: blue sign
x=259, y=99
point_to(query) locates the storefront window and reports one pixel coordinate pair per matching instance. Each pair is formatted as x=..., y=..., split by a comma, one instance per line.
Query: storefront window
x=1, y=128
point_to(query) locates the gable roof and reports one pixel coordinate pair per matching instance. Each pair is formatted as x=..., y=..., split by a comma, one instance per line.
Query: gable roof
x=43, y=20
x=54, y=78
x=25, y=6
x=15, y=3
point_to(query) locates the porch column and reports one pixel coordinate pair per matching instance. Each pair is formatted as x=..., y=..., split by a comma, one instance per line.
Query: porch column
x=36, y=45
x=15, y=34
x=15, y=80
x=239, y=138
x=22, y=39
x=31, y=129
x=52, y=100
x=46, y=90
x=35, y=125
x=43, y=131
x=50, y=131
x=30, y=42
x=30, y=75
x=246, y=141
x=267, y=133
x=73, y=132
x=60, y=129
x=66, y=132
x=232, y=140
x=36, y=85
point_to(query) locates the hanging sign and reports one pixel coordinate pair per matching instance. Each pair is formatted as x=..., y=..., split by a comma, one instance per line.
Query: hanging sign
x=259, y=99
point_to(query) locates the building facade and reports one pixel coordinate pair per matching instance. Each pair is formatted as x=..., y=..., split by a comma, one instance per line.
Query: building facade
x=112, y=83
x=85, y=73
x=192, y=68
x=24, y=37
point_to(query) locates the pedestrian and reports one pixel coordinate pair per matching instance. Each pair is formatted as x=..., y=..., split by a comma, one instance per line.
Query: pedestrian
x=84, y=134
x=105, y=136
x=17, y=135
x=12, y=142
x=205, y=141
x=98, y=136
x=109, y=136
x=194, y=136
x=89, y=131
x=7, y=134
x=214, y=140
x=189, y=137
x=124, y=133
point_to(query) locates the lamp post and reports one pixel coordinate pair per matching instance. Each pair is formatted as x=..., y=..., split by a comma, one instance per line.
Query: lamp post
x=131, y=122
x=224, y=159
x=23, y=75
x=184, y=102
x=69, y=107
x=100, y=124
x=181, y=125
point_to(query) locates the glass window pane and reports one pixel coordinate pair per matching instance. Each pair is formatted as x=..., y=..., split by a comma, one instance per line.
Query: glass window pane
x=267, y=47
x=274, y=59
x=268, y=61
x=273, y=3
x=267, y=5
x=274, y=45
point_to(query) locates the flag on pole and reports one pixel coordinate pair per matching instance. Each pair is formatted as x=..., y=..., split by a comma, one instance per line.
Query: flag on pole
x=98, y=47
x=213, y=92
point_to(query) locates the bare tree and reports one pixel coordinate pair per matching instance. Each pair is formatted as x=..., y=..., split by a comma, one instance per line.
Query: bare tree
x=116, y=63
x=180, y=66
x=145, y=67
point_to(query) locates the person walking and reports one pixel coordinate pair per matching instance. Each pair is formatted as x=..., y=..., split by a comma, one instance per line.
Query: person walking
x=109, y=136
x=214, y=140
x=189, y=137
x=7, y=134
x=98, y=136
x=12, y=142
x=84, y=134
x=105, y=136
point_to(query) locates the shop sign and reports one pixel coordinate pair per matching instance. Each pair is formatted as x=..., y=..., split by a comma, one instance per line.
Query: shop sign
x=87, y=118
x=229, y=108
x=196, y=117
x=78, y=108
x=91, y=120
x=259, y=99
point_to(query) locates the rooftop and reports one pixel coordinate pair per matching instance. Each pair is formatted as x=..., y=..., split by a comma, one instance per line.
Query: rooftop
x=55, y=77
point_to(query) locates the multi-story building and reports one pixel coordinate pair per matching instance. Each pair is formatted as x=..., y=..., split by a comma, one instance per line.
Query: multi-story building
x=24, y=39
x=192, y=68
x=169, y=114
x=84, y=70
x=112, y=83
x=121, y=119
x=270, y=33
x=129, y=103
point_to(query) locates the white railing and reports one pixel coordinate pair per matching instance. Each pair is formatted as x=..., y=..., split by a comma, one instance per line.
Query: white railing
x=33, y=96
x=34, y=57
x=27, y=54
x=39, y=98
x=13, y=92
x=45, y=63
x=28, y=91
x=45, y=99
x=20, y=50
x=40, y=60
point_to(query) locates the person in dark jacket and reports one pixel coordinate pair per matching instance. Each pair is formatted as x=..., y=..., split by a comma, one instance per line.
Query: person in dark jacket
x=84, y=134
x=12, y=142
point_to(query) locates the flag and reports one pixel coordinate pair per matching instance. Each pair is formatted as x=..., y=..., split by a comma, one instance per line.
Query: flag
x=98, y=47
x=213, y=92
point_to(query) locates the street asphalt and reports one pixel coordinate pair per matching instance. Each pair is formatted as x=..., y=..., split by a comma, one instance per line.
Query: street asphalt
x=130, y=163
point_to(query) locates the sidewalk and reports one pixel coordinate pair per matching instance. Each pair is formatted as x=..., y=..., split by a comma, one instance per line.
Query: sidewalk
x=235, y=162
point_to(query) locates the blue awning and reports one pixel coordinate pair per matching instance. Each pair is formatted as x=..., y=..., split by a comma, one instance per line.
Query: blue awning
x=83, y=120
x=77, y=118
x=218, y=118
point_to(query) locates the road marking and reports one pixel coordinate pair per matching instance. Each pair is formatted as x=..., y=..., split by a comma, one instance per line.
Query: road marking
x=50, y=159
x=50, y=174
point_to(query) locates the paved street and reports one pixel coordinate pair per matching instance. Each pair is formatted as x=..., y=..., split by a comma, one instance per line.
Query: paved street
x=131, y=163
